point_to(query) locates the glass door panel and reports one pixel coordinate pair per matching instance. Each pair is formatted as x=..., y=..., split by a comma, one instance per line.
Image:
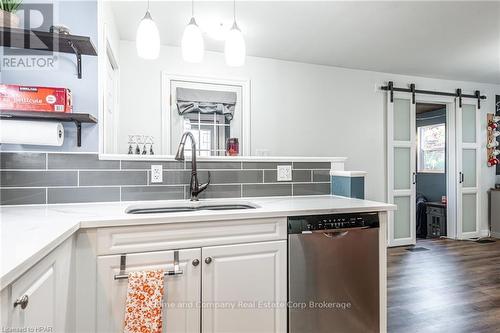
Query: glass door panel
x=468, y=123
x=402, y=168
x=401, y=217
x=469, y=207
x=402, y=118
x=469, y=167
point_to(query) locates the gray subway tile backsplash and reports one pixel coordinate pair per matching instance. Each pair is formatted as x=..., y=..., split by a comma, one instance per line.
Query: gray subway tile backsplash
x=83, y=194
x=79, y=162
x=266, y=190
x=132, y=193
x=216, y=165
x=101, y=178
x=40, y=178
x=264, y=165
x=146, y=165
x=271, y=176
x=321, y=175
x=23, y=161
x=219, y=191
x=311, y=165
x=175, y=177
x=22, y=196
x=236, y=176
x=311, y=189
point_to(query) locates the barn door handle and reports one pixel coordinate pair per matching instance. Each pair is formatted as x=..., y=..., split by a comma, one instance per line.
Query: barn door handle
x=461, y=177
x=414, y=178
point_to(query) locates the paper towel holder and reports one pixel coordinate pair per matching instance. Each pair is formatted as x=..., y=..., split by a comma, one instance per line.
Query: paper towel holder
x=77, y=118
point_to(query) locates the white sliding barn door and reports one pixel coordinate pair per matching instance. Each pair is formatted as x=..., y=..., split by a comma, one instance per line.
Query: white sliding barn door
x=468, y=167
x=401, y=164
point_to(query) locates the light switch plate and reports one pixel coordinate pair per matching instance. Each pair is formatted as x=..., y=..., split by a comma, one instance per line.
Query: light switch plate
x=284, y=173
x=156, y=173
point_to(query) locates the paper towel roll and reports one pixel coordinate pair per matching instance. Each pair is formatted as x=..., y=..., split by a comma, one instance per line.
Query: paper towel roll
x=25, y=132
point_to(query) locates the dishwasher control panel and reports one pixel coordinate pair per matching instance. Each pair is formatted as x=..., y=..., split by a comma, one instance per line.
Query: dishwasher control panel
x=299, y=224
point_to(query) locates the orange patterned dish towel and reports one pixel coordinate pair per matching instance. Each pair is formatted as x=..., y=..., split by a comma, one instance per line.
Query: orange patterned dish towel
x=143, y=309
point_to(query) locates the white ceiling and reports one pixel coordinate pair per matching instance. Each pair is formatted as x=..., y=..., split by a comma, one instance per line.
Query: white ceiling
x=456, y=40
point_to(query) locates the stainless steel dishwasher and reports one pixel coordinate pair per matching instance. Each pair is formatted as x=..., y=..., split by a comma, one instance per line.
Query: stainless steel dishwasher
x=333, y=273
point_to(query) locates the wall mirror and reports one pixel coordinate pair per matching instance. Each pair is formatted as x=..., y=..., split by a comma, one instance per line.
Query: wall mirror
x=148, y=104
x=273, y=105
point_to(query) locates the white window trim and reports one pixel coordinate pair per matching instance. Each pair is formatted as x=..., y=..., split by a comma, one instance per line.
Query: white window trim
x=166, y=112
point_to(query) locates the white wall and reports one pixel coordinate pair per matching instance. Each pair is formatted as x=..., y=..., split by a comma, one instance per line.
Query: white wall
x=296, y=108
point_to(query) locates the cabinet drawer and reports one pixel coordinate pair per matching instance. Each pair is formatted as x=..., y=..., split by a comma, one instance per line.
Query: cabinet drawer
x=115, y=240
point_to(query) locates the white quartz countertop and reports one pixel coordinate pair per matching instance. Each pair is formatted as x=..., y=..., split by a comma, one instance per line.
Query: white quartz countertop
x=28, y=233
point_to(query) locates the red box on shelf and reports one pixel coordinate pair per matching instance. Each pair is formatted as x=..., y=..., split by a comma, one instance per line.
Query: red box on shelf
x=33, y=98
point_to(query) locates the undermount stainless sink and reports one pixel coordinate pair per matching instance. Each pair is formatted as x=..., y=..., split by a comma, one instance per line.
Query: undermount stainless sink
x=187, y=207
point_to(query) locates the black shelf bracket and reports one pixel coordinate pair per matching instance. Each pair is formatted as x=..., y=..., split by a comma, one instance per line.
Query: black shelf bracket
x=78, y=58
x=78, y=133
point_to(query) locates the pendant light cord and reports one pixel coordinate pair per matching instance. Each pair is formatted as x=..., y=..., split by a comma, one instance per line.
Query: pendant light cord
x=234, y=10
x=192, y=8
x=148, y=6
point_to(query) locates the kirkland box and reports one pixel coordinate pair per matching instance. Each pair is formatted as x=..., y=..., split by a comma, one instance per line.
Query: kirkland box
x=32, y=98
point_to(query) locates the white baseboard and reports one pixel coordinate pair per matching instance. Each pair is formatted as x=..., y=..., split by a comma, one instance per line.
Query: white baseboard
x=484, y=233
x=495, y=234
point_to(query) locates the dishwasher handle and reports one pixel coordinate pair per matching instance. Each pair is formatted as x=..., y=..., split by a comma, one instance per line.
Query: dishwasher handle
x=336, y=233
x=341, y=230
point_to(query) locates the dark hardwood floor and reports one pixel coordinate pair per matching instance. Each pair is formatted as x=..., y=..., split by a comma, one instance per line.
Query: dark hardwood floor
x=454, y=287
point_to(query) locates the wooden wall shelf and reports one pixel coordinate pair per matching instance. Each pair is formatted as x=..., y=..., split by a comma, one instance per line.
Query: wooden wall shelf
x=48, y=41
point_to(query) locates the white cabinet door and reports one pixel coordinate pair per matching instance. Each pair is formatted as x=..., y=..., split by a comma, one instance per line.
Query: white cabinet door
x=252, y=279
x=45, y=290
x=182, y=292
x=38, y=288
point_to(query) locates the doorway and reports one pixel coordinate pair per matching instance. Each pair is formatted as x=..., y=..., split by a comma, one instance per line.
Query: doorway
x=462, y=165
x=431, y=170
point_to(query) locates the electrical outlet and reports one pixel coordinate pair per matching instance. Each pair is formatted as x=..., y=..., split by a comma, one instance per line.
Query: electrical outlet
x=284, y=173
x=156, y=173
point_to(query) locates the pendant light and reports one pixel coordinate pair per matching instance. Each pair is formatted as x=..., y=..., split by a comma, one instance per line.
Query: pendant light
x=235, y=48
x=147, y=39
x=192, y=40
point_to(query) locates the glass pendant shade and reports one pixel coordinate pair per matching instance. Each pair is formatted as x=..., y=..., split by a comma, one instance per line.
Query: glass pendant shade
x=235, y=48
x=147, y=39
x=192, y=43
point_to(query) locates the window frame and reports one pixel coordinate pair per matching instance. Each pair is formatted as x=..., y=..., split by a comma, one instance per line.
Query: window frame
x=168, y=106
x=420, y=151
